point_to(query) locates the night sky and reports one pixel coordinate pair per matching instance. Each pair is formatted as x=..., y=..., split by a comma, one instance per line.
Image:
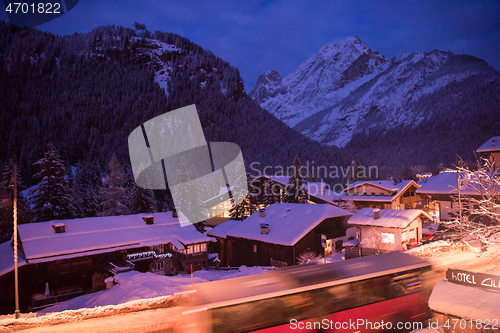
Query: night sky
x=256, y=36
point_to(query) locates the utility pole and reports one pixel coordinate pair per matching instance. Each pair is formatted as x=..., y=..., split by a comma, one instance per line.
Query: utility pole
x=16, y=282
x=459, y=198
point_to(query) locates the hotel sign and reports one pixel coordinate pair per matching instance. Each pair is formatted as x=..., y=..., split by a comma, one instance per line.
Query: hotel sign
x=481, y=280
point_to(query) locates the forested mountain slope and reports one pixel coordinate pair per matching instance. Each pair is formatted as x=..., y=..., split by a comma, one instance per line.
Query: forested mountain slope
x=86, y=92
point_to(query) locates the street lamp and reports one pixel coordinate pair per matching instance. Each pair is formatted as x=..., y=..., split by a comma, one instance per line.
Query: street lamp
x=4, y=195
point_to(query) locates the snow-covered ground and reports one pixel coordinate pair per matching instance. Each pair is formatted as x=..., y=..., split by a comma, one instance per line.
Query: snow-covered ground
x=134, y=291
x=132, y=286
x=468, y=256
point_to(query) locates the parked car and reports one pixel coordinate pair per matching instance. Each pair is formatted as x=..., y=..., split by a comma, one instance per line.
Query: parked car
x=448, y=236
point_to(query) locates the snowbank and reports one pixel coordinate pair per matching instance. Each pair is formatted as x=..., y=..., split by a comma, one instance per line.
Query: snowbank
x=464, y=301
x=440, y=249
x=134, y=291
x=132, y=286
x=334, y=257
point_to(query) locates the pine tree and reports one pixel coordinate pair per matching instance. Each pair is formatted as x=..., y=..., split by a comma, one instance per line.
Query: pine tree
x=246, y=207
x=271, y=194
x=143, y=199
x=86, y=181
x=6, y=206
x=187, y=198
x=352, y=175
x=199, y=211
x=77, y=198
x=23, y=208
x=90, y=202
x=52, y=199
x=179, y=192
x=113, y=196
x=295, y=191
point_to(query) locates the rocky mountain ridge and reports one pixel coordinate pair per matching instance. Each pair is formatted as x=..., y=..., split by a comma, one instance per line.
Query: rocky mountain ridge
x=347, y=89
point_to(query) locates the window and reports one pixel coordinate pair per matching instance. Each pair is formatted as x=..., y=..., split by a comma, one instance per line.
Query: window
x=412, y=234
x=403, y=236
x=159, y=248
x=196, y=248
x=388, y=237
x=190, y=249
x=255, y=248
x=373, y=193
x=203, y=247
x=158, y=266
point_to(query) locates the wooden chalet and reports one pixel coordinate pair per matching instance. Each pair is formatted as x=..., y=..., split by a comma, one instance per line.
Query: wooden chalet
x=386, y=230
x=75, y=256
x=491, y=150
x=318, y=192
x=383, y=194
x=279, y=234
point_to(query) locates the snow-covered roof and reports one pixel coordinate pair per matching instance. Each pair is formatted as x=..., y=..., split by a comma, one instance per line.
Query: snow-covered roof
x=491, y=145
x=94, y=235
x=352, y=242
x=222, y=229
x=444, y=183
x=388, y=185
x=321, y=191
x=390, y=218
x=288, y=222
x=222, y=192
x=464, y=301
x=7, y=258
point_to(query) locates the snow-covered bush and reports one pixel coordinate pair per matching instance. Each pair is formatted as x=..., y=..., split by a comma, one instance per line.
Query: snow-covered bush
x=309, y=257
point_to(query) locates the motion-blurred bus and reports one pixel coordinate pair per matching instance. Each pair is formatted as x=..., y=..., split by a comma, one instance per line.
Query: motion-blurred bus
x=382, y=293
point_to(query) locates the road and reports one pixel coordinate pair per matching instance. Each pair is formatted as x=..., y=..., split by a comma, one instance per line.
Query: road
x=165, y=319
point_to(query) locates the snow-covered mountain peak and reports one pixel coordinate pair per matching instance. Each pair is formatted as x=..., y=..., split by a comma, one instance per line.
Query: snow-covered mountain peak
x=348, y=88
x=268, y=85
x=332, y=68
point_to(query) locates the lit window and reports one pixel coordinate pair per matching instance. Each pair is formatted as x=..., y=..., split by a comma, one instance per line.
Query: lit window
x=190, y=249
x=203, y=247
x=255, y=248
x=196, y=248
x=388, y=238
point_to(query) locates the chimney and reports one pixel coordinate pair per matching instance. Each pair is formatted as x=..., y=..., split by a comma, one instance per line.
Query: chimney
x=376, y=213
x=494, y=142
x=149, y=219
x=59, y=228
x=174, y=212
x=262, y=212
x=264, y=228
